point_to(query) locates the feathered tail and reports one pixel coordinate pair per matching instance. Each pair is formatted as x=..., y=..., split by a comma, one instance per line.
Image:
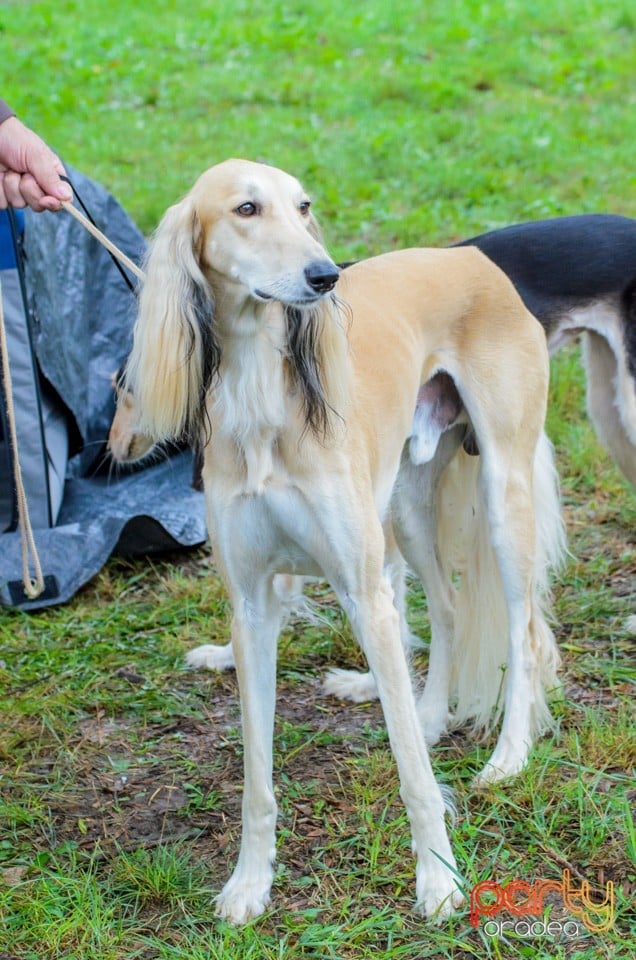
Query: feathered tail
x=480, y=648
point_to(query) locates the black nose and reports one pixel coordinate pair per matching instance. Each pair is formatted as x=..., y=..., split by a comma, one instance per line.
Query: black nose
x=322, y=275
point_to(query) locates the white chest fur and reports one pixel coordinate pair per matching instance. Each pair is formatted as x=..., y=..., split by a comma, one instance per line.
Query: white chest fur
x=249, y=402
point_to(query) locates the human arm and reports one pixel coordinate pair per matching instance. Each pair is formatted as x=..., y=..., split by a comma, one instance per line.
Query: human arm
x=29, y=170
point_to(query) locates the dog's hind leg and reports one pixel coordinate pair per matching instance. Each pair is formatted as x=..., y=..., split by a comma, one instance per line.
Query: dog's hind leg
x=255, y=628
x=611, y=401
x=415, y=520
x=375, y=621
x=526, y=532
x=356, y=685
x=213, y=656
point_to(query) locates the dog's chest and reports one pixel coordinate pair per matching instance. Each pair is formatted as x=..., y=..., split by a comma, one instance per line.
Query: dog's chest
x=259, y=459
x=250, y=449
x=283, y=528
x=249, y=410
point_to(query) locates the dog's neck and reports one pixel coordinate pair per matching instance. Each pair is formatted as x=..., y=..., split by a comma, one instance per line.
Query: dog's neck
x=258, y=396
x=250, y=394
x=250, y=403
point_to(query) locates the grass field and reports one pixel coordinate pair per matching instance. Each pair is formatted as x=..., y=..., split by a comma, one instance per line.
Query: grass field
x=120, y=771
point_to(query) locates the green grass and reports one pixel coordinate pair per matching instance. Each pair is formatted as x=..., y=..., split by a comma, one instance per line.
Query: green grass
x=120, y=772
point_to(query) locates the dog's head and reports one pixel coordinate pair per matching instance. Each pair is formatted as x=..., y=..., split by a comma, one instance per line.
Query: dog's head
x=244, y=234
x=253, y=230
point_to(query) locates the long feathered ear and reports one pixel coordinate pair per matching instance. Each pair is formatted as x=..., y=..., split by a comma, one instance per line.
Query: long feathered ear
x=175, y=353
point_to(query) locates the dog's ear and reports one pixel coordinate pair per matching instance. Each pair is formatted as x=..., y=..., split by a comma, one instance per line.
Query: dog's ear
x=175, y=353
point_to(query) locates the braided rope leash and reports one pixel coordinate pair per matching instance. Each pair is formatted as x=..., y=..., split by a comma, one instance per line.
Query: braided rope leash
x=32, y=588
x=103, y=239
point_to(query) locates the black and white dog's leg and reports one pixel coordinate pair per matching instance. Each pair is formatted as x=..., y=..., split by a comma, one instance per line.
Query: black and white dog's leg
x=611, y=400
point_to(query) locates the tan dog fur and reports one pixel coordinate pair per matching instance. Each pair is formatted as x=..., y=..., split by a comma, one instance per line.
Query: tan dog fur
x=294, y=487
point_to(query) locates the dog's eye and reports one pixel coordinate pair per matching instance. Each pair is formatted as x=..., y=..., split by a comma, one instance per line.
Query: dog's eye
x=247, y=210
x=304, y=207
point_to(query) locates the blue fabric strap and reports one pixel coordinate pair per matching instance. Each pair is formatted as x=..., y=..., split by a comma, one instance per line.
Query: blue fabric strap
x=7, y=249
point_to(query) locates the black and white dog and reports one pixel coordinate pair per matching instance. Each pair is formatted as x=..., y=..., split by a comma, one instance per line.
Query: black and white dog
x=577, y=275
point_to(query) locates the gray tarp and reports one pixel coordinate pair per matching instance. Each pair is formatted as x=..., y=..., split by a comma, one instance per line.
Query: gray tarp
x=37, y=414
x=82, y=332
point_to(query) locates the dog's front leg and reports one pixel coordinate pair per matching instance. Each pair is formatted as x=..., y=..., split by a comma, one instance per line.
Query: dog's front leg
x=376, y=624
x=255, y=628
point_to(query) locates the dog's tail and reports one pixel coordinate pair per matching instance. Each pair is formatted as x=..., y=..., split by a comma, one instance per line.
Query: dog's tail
x=480, y=649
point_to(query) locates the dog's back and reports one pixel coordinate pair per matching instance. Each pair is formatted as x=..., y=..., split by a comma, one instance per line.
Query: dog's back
x=447, y=305
x=564, y=262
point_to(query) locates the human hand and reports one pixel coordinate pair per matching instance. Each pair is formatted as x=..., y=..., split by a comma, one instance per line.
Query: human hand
x=29, y=170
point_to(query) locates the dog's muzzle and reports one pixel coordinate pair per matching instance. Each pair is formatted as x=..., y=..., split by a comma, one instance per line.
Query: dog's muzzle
x=322, y=276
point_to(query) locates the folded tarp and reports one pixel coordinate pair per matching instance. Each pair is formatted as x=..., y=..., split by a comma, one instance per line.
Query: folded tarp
x=80, y=317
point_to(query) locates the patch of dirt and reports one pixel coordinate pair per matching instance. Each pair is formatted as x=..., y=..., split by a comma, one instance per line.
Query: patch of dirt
x=130, y=789
x=139, y=785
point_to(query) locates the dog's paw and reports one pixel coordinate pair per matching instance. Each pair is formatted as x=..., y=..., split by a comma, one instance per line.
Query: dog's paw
x=211, y=657
x=434, y=720
x=440, y=896
x=492, y=774
x=350, y=685
x=507, y=761
x=239, y=902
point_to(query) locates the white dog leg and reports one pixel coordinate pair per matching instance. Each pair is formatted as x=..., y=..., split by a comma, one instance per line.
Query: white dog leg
x=376, y=624
x=611, y=401
x=255, y=629
x=414, y=511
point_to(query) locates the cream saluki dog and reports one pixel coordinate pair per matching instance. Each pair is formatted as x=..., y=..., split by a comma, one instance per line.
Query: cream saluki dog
x=306, y=400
